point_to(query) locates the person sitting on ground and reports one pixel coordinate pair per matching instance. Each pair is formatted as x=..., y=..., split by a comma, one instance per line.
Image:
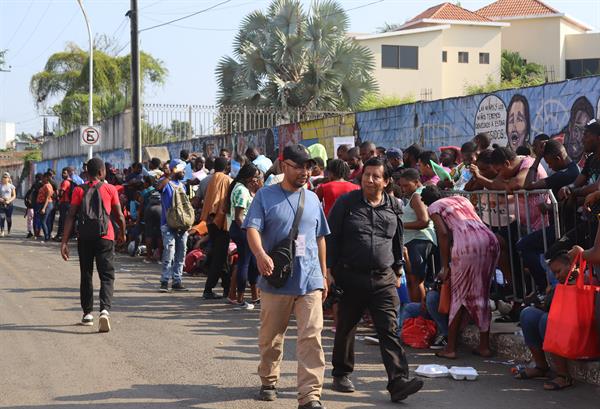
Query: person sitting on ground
x=533, y=323
x=428, y=176
x=419, y=234
x=469, y=254
x=429, y=309
x=329, y=192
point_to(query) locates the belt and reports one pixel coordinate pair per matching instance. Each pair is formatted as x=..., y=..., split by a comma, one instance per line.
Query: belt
x=366, y=270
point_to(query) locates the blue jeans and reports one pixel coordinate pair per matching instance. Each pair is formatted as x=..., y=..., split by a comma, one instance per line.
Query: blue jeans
x=533, y=323
x=418, y=253
x=174, y=246
x=432, y=301
x=246, y=263
x=37, y=217
x=531, y=247
x=47, y=220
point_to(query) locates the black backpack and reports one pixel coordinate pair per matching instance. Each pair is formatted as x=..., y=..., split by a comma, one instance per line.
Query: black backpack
x=93, y=219
x=154, y=199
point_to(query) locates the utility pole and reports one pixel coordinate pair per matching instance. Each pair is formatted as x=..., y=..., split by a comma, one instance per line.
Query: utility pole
x=135, y=82
x=91, y=75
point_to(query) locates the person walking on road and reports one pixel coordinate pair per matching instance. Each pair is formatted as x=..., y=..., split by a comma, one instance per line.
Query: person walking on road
x=8, y=194
x=93, y=203
x=364, y=255
x=271, y=225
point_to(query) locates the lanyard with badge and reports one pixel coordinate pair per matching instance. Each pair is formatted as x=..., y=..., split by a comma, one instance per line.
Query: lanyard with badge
x=300, y=241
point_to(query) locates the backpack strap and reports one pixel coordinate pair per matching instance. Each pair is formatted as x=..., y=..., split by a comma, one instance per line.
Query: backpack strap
x=298, y=216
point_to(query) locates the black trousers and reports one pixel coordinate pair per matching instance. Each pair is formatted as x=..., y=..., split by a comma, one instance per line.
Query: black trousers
x=63, y=209
x=378, y=294
x=103, y=252
x=217, y=259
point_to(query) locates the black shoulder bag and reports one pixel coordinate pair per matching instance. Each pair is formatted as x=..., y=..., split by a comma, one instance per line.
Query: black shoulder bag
x=284, y=252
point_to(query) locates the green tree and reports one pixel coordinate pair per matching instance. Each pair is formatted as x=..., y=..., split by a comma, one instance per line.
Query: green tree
x=65, y=77
x=375, y=101
x=2, y=58
x=288, y=58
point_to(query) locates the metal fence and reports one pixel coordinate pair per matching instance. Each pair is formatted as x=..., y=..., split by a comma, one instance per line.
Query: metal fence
x=176, y=122
x=513, y=216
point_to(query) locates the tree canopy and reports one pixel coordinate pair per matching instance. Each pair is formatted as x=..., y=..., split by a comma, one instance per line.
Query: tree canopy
x=288, y=57
x=66, y=75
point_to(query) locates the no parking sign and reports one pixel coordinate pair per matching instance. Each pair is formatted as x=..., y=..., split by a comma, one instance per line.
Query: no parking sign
x=90, y=136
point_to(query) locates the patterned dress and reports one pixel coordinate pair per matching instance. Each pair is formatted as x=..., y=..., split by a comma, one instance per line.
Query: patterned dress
x=474, y=256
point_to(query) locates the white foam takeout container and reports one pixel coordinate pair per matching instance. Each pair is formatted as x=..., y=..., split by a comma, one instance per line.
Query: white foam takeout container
x=460, y=373
x=432, y=371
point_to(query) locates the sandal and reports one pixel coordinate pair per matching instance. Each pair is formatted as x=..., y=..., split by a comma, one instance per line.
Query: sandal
x=554, y=385
x=521, y=373
x=444, y=354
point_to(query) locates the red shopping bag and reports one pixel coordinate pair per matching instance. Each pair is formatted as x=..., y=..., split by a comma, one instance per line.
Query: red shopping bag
x=570, y=332
x=418, y=332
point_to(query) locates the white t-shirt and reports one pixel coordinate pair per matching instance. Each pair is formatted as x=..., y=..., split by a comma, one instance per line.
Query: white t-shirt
x=6, y=190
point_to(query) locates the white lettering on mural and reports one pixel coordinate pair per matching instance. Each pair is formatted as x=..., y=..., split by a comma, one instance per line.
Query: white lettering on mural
x=491, y=119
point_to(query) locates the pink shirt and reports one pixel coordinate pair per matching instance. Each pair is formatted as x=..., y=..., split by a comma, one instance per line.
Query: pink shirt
x=536, y=219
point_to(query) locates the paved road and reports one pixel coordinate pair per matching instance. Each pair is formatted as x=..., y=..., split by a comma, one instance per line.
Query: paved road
x=175, y=350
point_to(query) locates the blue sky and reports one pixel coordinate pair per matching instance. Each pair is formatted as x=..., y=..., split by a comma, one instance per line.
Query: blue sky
x=34, y=29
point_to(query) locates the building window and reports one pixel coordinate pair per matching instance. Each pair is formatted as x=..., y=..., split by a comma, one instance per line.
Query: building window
x=463, y=57
x=583, y=67
x=444, y=56
x=394, y=56
x=484, y=58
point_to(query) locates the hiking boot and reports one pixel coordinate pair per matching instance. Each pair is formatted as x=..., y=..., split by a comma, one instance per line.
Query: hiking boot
x=313, y=404
x=440, y=342
x=403, y=389
x=342, y=384
x=164, y=287
x=87, y=320
x=211, y=296
x=179, y=287
x=267, y=393
x=104, y=321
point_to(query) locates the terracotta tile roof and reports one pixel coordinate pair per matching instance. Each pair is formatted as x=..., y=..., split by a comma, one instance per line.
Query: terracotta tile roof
x=516, y=8
x=448, y=11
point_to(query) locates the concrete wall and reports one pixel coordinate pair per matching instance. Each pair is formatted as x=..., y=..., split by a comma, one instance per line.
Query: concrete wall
x=115, y=134
x=579, y=46
x=474, y=40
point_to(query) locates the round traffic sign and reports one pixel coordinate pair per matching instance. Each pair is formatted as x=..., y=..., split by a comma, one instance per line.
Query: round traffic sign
x=90, y=136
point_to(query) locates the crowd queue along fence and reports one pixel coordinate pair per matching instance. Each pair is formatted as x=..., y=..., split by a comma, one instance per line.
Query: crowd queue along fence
x=512, y=216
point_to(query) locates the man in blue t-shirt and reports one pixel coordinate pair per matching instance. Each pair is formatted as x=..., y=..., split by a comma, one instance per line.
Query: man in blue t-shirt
x=174, y=241
x=268, y=221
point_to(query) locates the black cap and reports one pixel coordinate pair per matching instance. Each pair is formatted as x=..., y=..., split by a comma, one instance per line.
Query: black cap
x=297, y=154
x=593, y=126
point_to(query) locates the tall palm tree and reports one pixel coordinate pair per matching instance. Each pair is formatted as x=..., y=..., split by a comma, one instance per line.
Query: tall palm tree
x=288, y=58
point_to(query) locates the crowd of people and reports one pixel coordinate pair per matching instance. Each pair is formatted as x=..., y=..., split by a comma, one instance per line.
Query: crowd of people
x=395, y=233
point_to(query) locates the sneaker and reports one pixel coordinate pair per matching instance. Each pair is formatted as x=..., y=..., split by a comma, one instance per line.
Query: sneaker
x=164, y=287
x=1, y=234
x=342, y=384
x=403, y=389
x=313, y=404
x=245, y=306
x=256, y=302
x=371, y=340
x=267, y=393
x=87, y=320
x=440, y=342
x=104, y=321
x=29, y=235
x=179, y=287
x=211, y=296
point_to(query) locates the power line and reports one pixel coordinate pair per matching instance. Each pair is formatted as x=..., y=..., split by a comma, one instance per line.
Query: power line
x=20, y=24
x=34, y=30
x=187, y=10
x=195, y=28
x=185, y=17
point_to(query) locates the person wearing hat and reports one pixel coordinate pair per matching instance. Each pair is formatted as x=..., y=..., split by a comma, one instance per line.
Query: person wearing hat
x=269, y=221
x=394, y=159
x=174, y=241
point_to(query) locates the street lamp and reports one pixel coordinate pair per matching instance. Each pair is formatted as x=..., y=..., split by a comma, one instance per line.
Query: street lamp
x=91, y=75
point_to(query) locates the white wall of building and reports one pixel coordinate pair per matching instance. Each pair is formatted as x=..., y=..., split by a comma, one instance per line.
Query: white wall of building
x=7, y=134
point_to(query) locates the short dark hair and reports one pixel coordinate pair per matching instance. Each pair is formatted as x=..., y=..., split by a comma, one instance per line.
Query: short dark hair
x=468, y=147
x=410, y=174
x=353, y=152
x=485, y=157
x=428, y=156
x=501, y=154
x=210, y=163
x=523, y=150
x=541, y=137
x=553, y=148
x=483, y=140
x=559, y=255
x=319, y=162
x=156, y=162
x=414, y=150
x=94, y=166
x=431, y=194
x=184, y=154
x=368, y=144
x=376, y=162
x=338, y=169
x=65, y=169
x=220, y=164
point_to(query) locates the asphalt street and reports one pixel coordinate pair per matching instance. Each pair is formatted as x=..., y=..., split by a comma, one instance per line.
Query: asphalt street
x=176, y=350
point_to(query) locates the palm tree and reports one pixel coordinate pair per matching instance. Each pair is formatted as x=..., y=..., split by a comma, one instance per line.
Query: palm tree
x=287, y=58
x=514, y=67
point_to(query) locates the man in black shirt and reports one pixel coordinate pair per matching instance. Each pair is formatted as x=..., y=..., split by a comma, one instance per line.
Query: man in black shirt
x=364, y=254
x=566, y=171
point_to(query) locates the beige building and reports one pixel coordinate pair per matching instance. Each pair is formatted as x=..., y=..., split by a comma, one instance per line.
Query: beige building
x=438, y=53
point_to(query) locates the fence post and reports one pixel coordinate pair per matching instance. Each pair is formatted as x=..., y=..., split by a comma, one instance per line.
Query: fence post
x=245, y=119
x=190, y=130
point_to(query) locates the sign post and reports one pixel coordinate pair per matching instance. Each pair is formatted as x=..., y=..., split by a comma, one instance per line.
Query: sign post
x=90, y=136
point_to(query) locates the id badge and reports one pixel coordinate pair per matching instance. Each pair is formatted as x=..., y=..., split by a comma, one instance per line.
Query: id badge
x=301, y=245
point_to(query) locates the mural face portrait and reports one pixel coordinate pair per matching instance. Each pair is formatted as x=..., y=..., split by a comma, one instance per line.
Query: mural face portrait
x=517, y=122
x=581, y=112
